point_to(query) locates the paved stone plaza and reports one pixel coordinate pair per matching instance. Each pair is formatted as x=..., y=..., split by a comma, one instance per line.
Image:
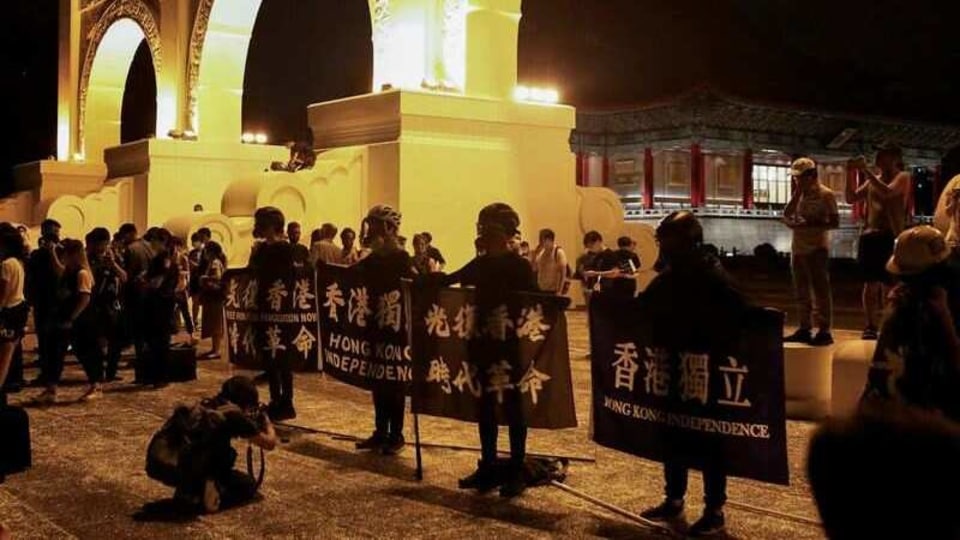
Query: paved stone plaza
x=88, y=478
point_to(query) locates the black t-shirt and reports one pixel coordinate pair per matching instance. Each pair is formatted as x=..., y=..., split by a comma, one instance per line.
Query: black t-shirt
x=625, y=258
x=385, y=267
x=42, y=281
x=695, y=309
x=495, y=277
x=271, y=261
x=301, y=255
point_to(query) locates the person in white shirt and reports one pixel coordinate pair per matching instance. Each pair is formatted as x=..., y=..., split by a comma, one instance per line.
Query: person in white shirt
x=550, y=264
x=13, y=305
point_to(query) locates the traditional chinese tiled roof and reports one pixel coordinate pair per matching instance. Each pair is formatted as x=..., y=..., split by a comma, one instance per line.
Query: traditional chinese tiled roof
x=704, y=115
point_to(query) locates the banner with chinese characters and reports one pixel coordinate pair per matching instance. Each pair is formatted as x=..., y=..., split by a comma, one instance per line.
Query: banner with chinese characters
x=693, y=409
x=271, y=322
x=518, y=356
x=364, y=340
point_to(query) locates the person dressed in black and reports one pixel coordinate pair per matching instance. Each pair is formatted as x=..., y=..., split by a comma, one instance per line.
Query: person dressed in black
x=496, y=275
x=208, y=481
x=159, y=285
x=693, y=307
x=105, y=301
x=70, y=321
x=43, y=280
x=384, y=267
x=615, y=272
x=272, y=259
x=301, y=254
x=432, y=252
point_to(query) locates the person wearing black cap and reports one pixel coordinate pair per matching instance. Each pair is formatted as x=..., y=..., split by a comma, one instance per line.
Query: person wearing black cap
x=692, y=306
x=384, y=267
x=886, y=198
x=497, y=274
x=272, y=259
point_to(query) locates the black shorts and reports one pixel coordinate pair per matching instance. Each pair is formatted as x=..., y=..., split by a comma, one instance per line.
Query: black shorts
x=13, y=322
x=873, y=252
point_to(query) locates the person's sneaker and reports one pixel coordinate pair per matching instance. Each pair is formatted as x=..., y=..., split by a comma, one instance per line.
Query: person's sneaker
x=375, y=442
x=803, y=335
x=211, y=497
x=92, y=394
x=484, y=479
x=869, y=334
x=393, y=445
x=513, y=485
x=711, y=523
x=283, y=412
x=668, y=510
x=823, y=339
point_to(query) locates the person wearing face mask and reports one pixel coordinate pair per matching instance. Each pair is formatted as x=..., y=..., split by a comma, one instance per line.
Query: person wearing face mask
x=385, y=265
x=273, y=259
x=691, y=306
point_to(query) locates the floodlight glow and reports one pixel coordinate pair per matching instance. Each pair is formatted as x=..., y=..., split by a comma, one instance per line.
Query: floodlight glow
x=248, y=138
x=261, y=138
x=522, y=93
x=538, y=95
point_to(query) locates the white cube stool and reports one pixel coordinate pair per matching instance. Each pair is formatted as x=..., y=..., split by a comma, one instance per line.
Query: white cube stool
x=851, y=364
x=807, y=378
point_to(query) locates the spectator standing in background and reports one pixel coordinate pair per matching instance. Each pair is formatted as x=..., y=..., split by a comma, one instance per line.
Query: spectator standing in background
x=550, y=265
x=325, y=250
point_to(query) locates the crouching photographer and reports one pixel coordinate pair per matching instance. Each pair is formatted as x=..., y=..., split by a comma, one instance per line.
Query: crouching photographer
x=192, y=452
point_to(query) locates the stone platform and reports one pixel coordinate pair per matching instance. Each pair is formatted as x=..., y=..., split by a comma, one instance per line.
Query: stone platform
x=88, y=479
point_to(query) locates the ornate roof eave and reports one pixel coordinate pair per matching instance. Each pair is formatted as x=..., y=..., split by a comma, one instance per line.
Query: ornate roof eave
x=710, y=111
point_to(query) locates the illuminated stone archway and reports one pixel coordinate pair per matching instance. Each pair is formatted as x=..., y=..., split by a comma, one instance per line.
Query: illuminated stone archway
x=416, y=44
x=112, y=45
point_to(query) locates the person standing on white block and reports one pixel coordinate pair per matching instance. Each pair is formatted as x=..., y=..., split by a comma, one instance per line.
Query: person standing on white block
x=812, y=212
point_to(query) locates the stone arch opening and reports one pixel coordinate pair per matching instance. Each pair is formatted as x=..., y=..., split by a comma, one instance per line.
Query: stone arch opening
x=102, y=90
x=138, y=117
x=219, y=54
x=285, y=73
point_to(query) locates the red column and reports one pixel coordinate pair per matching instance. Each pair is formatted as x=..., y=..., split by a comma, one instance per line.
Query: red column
x=648, y=194
x=748, y=179
x=853, y=180
x=606, y=171
x=697, y=195
x=580, y=169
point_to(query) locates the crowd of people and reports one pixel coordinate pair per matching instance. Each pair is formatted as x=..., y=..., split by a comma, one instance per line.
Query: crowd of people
x=110, y=292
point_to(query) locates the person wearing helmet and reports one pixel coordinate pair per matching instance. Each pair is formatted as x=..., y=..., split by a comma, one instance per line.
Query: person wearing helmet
x=691, y=306
x=917, y=359
x=496, y=274
x=384, y=266
x=271, y=259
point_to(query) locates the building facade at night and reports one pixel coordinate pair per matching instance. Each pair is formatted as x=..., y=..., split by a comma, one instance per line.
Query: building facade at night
x=728, y=159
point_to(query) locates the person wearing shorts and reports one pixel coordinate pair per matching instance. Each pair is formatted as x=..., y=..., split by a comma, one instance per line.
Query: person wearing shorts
x=885, y=196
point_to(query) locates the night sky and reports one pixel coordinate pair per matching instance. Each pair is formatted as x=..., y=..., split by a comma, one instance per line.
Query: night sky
x=883, y=57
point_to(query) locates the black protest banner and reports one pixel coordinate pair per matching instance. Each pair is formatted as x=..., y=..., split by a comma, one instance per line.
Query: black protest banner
x=271, y=322
x=518, y=351
x=699, y=410
x=364, y=338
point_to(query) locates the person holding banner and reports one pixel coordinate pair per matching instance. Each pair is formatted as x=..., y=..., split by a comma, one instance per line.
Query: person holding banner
x=496, y=275
x=272, y=260
x=385, y=265
x=692, y=307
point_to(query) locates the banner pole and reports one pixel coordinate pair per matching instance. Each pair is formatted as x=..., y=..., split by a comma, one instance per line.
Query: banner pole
x=408, y=315
x=615, y=509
